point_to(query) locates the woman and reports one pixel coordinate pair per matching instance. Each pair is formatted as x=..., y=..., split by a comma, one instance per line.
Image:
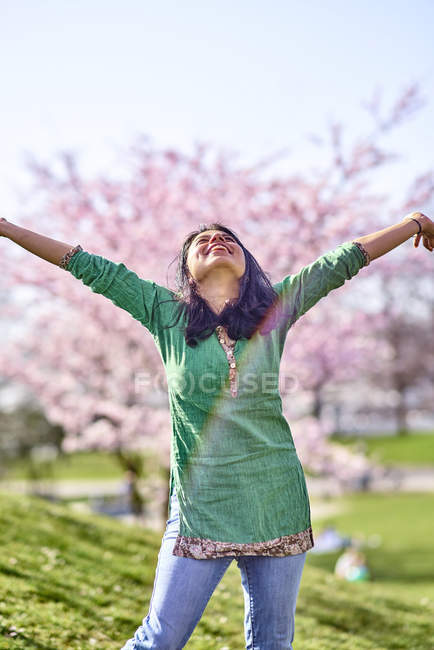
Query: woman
x=237, y=489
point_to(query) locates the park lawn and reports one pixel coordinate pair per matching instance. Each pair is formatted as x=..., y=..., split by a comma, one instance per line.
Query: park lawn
x=70, y=580
x=86, y=465
x=403, y=562
x=414, y=449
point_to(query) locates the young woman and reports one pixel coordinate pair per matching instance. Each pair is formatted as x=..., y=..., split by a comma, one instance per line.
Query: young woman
x=237, y=489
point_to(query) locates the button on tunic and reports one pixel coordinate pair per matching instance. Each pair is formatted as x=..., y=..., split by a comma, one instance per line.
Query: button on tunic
x=239, y=482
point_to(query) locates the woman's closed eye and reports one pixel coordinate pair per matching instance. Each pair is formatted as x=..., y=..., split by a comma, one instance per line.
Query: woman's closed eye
x=203, y=240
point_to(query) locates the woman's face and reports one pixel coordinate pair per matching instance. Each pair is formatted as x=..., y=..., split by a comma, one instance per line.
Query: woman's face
x=215, y=249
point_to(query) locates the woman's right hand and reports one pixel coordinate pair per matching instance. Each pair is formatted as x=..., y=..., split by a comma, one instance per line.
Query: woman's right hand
x=427, y=230
x=2, y=221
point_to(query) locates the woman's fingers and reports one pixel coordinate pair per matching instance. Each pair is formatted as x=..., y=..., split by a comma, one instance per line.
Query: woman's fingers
x=428, y=243
x=427, y=240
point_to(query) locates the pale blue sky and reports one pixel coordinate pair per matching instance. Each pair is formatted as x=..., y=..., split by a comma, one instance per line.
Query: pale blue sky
x=248, y=76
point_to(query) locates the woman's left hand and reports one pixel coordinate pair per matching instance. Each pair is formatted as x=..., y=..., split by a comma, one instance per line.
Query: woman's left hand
x=427, y=233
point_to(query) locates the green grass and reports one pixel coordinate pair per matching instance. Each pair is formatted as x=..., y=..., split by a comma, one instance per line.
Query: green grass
x=82, y=582
x=404, y=559
x=90, y=465
x=414, y=449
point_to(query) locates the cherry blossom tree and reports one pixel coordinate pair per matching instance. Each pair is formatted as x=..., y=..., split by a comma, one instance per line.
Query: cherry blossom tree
x=97, y=372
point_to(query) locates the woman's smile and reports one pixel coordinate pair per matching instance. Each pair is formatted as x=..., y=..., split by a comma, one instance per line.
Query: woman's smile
x=218, y=247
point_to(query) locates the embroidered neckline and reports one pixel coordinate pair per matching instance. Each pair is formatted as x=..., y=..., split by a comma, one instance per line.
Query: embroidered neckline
x=229, y=350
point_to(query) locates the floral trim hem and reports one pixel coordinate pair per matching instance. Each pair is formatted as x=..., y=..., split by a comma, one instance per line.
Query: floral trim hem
x=65, y=259
x=364, y=252
x=201, y=549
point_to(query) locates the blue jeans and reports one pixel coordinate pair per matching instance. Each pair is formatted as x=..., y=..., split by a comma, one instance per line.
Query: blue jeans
x=183, y=586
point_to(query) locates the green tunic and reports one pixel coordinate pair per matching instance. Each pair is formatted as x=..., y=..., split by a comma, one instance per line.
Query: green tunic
x=239, y=482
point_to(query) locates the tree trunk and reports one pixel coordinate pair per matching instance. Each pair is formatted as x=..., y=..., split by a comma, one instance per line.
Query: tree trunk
x=401, y=413
x=133, y=465
x=317, y=404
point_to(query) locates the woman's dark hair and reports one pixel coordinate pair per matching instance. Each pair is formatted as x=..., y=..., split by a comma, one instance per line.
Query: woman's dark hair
x=251, y=311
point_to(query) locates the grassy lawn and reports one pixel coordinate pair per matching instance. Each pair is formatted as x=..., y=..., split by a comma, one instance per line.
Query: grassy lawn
x=76, y=581
x=403, y=562
x=414, y=449
x=90, y=465
x=417, y=448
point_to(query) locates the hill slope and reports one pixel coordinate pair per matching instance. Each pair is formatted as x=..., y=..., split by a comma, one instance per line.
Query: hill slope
x=75, y=581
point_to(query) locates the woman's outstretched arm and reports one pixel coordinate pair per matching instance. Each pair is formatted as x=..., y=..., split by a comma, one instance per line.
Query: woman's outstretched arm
x=115, y=281
x=49, y=249
x=299, y=292
x=381, y=242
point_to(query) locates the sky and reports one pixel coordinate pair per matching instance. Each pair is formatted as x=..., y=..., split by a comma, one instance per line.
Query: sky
x=249, y=77
x=254, y=78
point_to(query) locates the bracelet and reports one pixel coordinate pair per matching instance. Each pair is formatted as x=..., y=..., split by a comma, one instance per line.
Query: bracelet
x=364, y=251
x=418, y=223
x=65, y=259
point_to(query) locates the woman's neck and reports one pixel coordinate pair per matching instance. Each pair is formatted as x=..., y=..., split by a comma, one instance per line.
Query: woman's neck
x=218, y=291
x=217, y=305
